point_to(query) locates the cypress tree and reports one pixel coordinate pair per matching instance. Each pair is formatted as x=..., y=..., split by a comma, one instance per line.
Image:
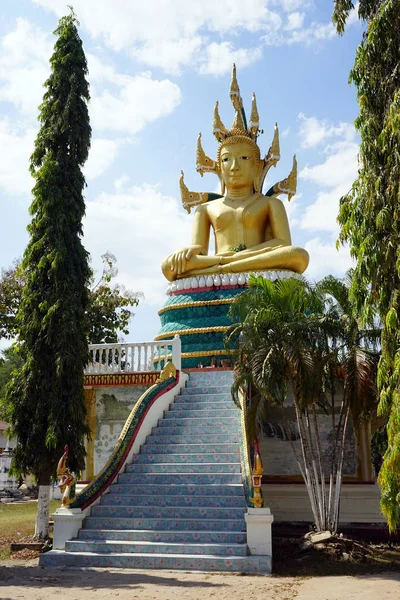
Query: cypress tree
x=45, y=401
x=370, y=214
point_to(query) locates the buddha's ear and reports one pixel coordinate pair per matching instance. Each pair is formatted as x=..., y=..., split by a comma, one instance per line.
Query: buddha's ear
x=258, y=177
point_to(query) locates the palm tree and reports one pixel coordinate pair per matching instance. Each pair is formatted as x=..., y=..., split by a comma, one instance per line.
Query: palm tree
x=292, y=335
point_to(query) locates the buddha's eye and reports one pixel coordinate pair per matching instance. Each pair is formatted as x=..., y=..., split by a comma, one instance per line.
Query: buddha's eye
x=245, y=157
x=225, y=158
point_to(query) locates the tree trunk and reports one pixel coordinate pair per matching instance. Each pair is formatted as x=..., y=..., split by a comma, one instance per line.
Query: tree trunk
x=43, y=511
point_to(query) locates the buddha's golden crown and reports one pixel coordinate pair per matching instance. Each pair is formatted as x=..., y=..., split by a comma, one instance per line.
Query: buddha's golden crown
x=239, y=125
x=239, y=128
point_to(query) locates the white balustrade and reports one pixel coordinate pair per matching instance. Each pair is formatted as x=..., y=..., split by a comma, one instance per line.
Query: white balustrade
x=134, y=357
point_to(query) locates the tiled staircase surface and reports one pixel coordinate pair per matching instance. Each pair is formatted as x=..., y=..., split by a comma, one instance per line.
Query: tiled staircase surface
x=180, y=503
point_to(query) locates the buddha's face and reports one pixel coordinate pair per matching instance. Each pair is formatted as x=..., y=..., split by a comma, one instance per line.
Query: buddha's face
x=238, y=166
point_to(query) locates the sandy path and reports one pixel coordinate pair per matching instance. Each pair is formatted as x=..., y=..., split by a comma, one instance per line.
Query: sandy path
x=27, y=581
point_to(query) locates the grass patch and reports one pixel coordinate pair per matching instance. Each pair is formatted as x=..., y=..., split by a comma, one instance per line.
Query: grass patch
x=17, y=521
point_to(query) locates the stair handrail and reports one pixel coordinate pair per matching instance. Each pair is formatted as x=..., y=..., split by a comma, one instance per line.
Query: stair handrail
x=169, y=379
x=244, y=452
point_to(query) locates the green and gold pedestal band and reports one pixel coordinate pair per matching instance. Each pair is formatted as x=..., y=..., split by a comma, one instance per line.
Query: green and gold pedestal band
x=201, y=320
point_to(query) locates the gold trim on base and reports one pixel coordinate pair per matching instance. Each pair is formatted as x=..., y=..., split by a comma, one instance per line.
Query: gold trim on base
x=192, y=331
x=196, y=303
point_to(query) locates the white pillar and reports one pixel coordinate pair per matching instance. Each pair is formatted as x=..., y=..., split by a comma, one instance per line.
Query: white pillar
x=176, y=352
x=67, y=523
x=259, y=535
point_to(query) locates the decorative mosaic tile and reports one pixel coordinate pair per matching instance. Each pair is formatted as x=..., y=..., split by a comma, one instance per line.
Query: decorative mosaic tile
x=240, y=564
x=171, y=458
x=178, y=478
x=156, y=548
x=165, y=524
x=139, y=499
x=152, y=447
x=185, y=467
x=180, y=490
x=168, y=512
x=178, y=537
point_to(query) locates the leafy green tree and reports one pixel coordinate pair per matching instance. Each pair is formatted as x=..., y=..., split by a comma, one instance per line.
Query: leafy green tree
x=109, y=310
x=45, y=404
x=291, y=335
x=11, y=284
x=110, y=306
x=9, y=362
x=370, y=213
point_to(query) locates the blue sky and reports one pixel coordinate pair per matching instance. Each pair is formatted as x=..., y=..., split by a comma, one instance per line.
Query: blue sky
x=156, y=69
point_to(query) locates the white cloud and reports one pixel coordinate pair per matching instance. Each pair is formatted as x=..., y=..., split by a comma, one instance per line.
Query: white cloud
x=183, y=32
x=24, y=66
x=144, y=220
x=325, y=259
x=102, y=154
x=307, y=36
x=170, y=55
x=138, y=101
x=291, y=5
x=313, y=131
x=133, y=24
x=321, y=215
x=340, y=167
x=295, y=20
x=219, y=58
x=315, y=32
x=119, y=102
x=353, y=18
x=15, y=178
x=334, y=177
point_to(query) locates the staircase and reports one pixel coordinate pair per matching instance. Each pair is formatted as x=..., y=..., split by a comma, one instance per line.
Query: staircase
x=180, y=503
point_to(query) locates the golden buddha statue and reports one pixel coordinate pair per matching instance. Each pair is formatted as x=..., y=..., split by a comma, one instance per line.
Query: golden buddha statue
x=251, y=229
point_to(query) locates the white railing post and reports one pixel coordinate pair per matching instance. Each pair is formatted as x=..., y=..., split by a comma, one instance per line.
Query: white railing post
x=176, y=352
x=133, y=357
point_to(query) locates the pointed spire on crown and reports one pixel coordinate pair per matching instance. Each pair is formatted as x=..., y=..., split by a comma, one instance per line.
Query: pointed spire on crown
x=292, y=179
x=254, y=125
x=274, y=153
x=234, y=91
x=203, y=162
x=238, y=125
x=219, y=129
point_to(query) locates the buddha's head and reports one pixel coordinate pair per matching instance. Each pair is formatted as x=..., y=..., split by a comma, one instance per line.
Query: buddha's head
x=239, y=163
x=238, y=147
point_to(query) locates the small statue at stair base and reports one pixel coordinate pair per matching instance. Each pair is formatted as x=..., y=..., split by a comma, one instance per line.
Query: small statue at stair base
x=258, y=470
x=66, y=480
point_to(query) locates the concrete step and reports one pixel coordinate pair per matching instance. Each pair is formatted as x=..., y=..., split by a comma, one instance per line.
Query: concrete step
x=107, y=546
x=167, y=512
x=185, y=398
x=174, y=435
x=188, y=457
x=230, y=423
x=184, y=467
x=177, y=489
x=182, y=537
x=183, y=479
x=193, y=404
x=154, y=447
x=165, y=524
x=138, y=499
x=201, y=413
x=209, y=390
x=233, y=564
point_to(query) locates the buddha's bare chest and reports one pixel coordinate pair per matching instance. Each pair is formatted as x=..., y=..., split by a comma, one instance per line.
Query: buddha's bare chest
x=252, y=216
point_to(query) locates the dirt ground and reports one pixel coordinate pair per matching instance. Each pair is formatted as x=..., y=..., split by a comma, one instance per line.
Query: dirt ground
x=20, y=580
